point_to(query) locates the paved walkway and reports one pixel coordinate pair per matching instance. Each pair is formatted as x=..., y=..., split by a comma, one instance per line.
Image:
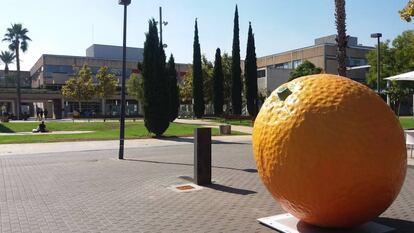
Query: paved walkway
x=92, y=191
x=410, y=161
x=82, y=146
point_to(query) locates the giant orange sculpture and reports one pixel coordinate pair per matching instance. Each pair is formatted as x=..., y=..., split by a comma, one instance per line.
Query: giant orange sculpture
x=329, y=150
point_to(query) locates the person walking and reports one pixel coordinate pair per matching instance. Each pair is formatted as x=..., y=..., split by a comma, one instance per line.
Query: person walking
x=45, y=112
x=41, y=114
x=37, y=113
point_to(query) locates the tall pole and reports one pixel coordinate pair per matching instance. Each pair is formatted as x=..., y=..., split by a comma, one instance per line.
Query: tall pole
x=378, y=66
x=122, y=115
x=378, y=36
x=161, y=26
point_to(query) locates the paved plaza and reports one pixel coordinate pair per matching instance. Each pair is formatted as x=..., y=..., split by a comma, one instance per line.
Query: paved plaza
x=58, y=188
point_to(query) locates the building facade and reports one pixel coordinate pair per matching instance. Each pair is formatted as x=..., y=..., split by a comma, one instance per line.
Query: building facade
x=50, y=72
x=275, y=69
x=41, y=86
x=8, y=91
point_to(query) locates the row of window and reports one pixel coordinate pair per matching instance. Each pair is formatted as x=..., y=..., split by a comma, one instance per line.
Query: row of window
x=112, y=108
x=351, y=62
x=287, y=65
x=70, y=70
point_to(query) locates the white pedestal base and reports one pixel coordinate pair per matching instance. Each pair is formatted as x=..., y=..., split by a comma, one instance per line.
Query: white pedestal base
x=286, y=223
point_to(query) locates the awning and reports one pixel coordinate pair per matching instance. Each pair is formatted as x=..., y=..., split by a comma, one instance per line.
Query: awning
x=409, y=76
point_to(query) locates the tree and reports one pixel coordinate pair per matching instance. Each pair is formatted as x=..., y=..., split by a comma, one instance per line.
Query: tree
x=306, y=68
x=227, y=63
x=236, y=88
x=106, y=86
x=186, y=89
x=198, y=94
x=218, y=76
x=341, y=39
x=388, y=67
x=404, y=51
x=80, y=87
x=397, y=91
x=17, y=36
x=408, y=12
x=207, y=69
x=156, y=103
x=7, y=58
x=395, y=59
x=250, y=74
x=135, y=87
x=174, y=92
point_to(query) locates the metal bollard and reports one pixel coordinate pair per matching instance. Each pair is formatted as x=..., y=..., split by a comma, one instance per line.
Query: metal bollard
x=202, y=156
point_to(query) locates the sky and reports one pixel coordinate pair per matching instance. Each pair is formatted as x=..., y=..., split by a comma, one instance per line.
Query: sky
x=69, y=27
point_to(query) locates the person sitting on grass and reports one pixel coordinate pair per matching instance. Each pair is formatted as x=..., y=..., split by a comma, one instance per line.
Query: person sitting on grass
x=41, y=128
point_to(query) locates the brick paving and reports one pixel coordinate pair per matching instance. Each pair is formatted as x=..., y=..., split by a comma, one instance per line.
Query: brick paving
x=91, y=191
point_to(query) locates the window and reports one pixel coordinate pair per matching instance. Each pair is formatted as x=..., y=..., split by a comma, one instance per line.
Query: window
x=296, y=63
x=286, y=65
x=351, y=62
x=59, y=69
x=261, y=73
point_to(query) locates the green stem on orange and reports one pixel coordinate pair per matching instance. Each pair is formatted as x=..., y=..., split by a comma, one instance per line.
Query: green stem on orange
x=283, y=93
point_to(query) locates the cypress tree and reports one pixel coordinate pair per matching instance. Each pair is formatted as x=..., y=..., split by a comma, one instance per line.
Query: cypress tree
x=174, y=93
x=236, y=99
x=197, y=77
x=218, y=77
x=250, y=73
x=156, y=103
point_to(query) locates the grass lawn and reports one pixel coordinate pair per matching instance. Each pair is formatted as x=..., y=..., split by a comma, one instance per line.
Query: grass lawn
x=407, y=122
x=103, y=131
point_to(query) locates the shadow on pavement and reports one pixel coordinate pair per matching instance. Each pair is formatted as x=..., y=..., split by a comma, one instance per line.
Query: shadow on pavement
x=250, y=170
x=191, y=140
x=220, y=187
x=400, y=226
x=228, y=189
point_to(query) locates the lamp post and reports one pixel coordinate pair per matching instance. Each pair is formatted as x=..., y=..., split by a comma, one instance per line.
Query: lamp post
x=125, y=3
x=165, y=23
x=378, y=36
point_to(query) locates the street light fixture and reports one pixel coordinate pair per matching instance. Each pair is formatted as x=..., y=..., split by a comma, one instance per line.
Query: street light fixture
x=378, y=36
x=125, y=3
x=165, y=23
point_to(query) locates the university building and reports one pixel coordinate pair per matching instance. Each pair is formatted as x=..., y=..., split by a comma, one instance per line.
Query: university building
x=274, y=70
x=43, y=83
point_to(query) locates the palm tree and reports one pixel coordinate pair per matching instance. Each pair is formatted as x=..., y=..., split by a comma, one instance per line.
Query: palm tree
x=341, y=39
x=7, y=58
x=18, y=39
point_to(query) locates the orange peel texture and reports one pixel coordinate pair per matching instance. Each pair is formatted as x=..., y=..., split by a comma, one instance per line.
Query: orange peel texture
x=329, y=150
